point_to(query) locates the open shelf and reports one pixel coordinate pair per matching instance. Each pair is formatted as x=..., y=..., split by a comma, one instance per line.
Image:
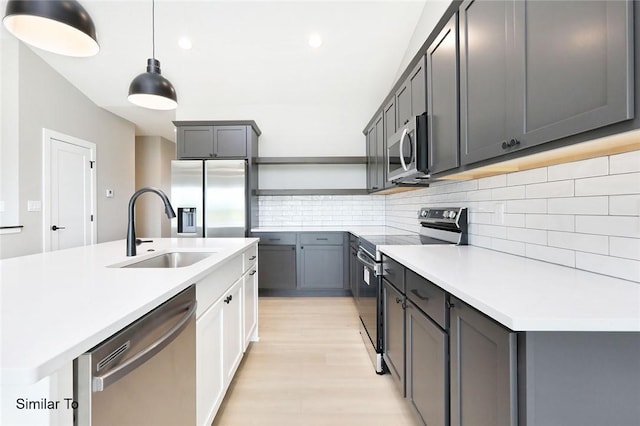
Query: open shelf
x=311, y=160
x=312, y=192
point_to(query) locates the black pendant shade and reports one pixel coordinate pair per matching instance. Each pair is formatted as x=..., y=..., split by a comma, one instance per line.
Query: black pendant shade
x=152, y=90
x=62, y=27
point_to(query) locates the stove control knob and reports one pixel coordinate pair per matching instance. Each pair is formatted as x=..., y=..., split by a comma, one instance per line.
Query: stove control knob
x=445, y=214
x=423, y=213
x=452, y=214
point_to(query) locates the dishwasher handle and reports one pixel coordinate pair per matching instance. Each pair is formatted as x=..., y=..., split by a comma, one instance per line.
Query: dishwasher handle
x=100, y=383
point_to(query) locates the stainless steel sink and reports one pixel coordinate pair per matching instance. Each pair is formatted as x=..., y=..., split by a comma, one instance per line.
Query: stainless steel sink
x=174, y=259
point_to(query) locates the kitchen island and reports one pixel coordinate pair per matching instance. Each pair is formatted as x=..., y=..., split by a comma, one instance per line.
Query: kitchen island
x=57, y=305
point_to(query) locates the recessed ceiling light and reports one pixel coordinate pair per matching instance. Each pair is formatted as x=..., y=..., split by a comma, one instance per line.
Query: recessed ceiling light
x=185, y=43
x=315, y=40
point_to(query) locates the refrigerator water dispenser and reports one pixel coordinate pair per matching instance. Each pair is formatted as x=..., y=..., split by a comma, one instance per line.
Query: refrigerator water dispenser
x=187, y=220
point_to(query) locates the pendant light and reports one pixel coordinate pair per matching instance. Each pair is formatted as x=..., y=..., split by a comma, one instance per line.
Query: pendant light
x=151, y=89
x=62, y=27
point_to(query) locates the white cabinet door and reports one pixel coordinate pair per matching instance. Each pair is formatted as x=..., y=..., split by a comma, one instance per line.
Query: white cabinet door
x=250, y=290
x=210, y=380
x=233, y=336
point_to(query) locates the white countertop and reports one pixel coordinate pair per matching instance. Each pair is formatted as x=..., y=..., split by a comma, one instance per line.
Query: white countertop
x=525, y=294
x=57, y=305
x=354, y=229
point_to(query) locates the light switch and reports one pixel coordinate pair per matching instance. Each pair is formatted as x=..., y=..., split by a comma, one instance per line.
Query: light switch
x=34, y=206
x=109, y=193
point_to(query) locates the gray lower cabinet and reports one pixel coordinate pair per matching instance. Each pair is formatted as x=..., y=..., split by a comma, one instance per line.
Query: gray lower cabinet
x=394, y=333
x=321, y=261
x=277, y=268
x=538, y=75
x=442, y=100
x=483, y=369
x=427, y=355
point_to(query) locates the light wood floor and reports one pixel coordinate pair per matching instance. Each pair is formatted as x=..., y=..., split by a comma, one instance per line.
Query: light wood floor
x=310, y=368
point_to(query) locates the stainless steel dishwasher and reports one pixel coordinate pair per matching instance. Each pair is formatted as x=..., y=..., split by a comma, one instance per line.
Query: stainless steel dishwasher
x=144, y=374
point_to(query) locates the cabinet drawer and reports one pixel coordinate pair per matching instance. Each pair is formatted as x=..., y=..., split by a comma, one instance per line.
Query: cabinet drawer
x=393, y=272
x=313, y=238
x=277, y=238
x=249, y=257
x=428, y=297
x=213, y=286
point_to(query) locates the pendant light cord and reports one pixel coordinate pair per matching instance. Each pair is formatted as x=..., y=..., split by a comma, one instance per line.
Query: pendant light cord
x=153, y=29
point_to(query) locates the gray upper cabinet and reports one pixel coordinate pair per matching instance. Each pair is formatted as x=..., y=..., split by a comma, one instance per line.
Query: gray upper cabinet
x=375, y=155
x=575, y=64
x=543, y=71
x=483, y=370
x=205, y=142
x=442, y=99
x=230, y=141
x=484, y=78
x=195, y=142
x=411, y=98
x=390, y=127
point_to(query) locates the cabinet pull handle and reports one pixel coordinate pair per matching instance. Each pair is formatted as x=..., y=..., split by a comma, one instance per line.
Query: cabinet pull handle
x=505, y=145
x=228, y=299
x=387, y=270
x=252, y=257
x=510, y=144
x=252, y=272
x=274, y=239
x=417, y=293
x=398, y=300
x=322, y=239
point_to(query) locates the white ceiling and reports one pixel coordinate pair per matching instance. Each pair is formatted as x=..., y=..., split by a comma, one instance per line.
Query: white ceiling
x=243, y=53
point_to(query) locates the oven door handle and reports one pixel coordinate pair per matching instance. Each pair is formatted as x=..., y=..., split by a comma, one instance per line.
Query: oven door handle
x=364, y=259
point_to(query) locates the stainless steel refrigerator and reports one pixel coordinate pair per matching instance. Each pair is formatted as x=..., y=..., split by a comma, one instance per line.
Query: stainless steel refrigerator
x=209, y=197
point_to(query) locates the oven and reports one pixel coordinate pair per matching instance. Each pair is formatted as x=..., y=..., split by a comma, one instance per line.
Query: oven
x=407, y=153
x=438, y=226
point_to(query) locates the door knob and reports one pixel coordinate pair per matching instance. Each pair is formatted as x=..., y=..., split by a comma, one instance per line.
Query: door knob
x=55, y=228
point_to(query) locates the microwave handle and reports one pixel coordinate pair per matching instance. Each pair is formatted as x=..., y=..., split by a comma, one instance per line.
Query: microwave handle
x=404, y=165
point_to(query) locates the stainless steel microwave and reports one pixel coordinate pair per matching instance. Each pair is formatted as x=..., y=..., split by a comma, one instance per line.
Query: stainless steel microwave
x=407, y=153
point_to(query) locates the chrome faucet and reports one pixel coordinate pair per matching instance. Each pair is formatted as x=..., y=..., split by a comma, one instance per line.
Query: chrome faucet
x=131, y=228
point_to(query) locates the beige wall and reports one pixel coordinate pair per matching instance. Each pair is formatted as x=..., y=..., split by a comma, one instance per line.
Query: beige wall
x=153, y=168
x=47, y=100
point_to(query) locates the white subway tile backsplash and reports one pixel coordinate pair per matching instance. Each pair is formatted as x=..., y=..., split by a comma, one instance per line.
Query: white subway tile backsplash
x=508, y=193
x=480, y=195
x=511, y=219
x=489, y=230
x=579, y=205
x=552, y=254
x=608, y=265
x=620, y=226
x=480, y=241
x=526, y=206
x=527, y=176
x=579, y=169
x=628, y=248
x=624, y=205
x=492, y=182
x=550, y=222
x=625, y=162
x=563, y=188
x=628, y=183
x=534, y=236
x=579, y=242
x=507, y=246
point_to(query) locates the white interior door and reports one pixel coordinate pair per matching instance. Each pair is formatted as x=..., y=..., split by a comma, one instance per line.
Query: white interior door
x=71, y=196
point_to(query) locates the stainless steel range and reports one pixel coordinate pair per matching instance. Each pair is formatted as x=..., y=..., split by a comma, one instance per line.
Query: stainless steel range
x=438, y=226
